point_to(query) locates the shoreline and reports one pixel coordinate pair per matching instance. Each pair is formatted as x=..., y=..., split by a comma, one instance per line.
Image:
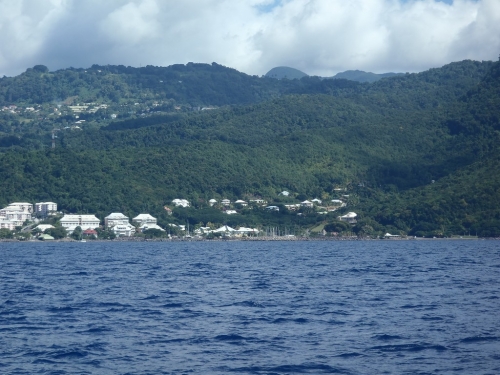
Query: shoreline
x=255, y=239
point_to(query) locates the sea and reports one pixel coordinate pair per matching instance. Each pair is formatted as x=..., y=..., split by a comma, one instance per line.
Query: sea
x=263, y=307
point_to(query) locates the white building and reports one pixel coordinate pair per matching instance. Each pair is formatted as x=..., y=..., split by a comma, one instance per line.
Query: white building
x=21, y=206
x=306, y=204
x=272, y=208
x=143, y=219
x=17, y=213
x=70, y=222
x=242, y=202
x=181, y=203
x=349, y=217
x=211, y=202
x=115, y=218
x=123, y=230
x=243, y=230
x=258, y=201
x=225, y=202
x=145, y=227
x=8, y=224
x=44, y=208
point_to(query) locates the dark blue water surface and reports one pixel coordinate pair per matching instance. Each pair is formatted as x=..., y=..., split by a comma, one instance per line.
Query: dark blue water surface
x=374, y=307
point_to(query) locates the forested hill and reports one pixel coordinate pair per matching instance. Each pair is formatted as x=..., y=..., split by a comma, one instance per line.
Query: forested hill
x=418, y=153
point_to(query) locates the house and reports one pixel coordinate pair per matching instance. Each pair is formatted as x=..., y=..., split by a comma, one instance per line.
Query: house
x=202, y=230
x=272, y=208
x=115, y=218
x=90, y=233
x=145, y=227
x=224, y=229
x=243, y=230
x=211, y=202
x=306, y=203
x=123, y=230
x=181, y=203
x=292, y=207
x=389, y=236
x=226, y=202
x=43, y=209
x=285, y=193
x=169, y=211
x=242, y=202
x=317, y=201
x=45, y=237
x=258, y=201
x=350, y=218
x=230, y=212
x=70, y=222
x=144, y=219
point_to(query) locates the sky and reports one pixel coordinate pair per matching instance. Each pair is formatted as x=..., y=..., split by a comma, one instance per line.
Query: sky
x=319, y=37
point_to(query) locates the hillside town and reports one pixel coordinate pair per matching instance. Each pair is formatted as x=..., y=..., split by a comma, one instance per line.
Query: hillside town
x=43, y=221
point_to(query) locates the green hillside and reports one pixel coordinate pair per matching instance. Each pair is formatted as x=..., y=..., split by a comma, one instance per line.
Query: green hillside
x=282, y=72
x=416, y=154
x=361, y=76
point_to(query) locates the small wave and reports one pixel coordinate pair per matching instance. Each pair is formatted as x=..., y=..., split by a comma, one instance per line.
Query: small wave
x=385, y=337
x=426, y=317
x=229, y=338
x=97, y=330
x=61, y=309
x=44, y=361
x=69, y=354
x=248, y=304
x=349, y=355
x=473, y=339
x=172, y=305
x=408, y=348
x=153, y=296
x=290, y=369
x=280, y=320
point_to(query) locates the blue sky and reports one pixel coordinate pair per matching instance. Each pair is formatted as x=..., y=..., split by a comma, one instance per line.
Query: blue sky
x=319, y=37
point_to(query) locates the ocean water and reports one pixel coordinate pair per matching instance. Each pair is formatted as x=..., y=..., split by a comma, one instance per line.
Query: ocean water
x=354, y=307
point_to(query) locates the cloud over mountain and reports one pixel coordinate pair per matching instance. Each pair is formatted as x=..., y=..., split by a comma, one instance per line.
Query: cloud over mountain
x=316, y=36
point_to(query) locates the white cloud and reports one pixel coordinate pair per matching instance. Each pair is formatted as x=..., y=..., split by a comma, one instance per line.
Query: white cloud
x=317, y=36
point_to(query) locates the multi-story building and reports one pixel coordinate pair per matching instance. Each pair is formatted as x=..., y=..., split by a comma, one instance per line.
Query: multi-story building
x=123, y=230
x=144, y=219
x=16, y=214
x=70, y=222
x=115, y=218
x=21, y=206
x=43, y=209
x=8, y=224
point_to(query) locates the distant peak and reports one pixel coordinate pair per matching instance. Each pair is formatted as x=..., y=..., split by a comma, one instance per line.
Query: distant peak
x=285, y=72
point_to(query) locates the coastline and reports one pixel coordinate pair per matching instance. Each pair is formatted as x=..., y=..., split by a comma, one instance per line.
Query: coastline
x=258, y=239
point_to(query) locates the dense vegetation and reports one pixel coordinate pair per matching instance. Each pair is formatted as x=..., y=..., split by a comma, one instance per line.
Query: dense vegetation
x=417, y=153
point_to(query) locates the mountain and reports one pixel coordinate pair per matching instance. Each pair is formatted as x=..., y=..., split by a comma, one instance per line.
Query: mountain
x=417, y=153
x=282, y=72
x=360, y=76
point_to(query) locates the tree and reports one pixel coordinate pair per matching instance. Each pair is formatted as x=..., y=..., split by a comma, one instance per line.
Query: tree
x=77, y=233
x=6, y=233
x=57, y=232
